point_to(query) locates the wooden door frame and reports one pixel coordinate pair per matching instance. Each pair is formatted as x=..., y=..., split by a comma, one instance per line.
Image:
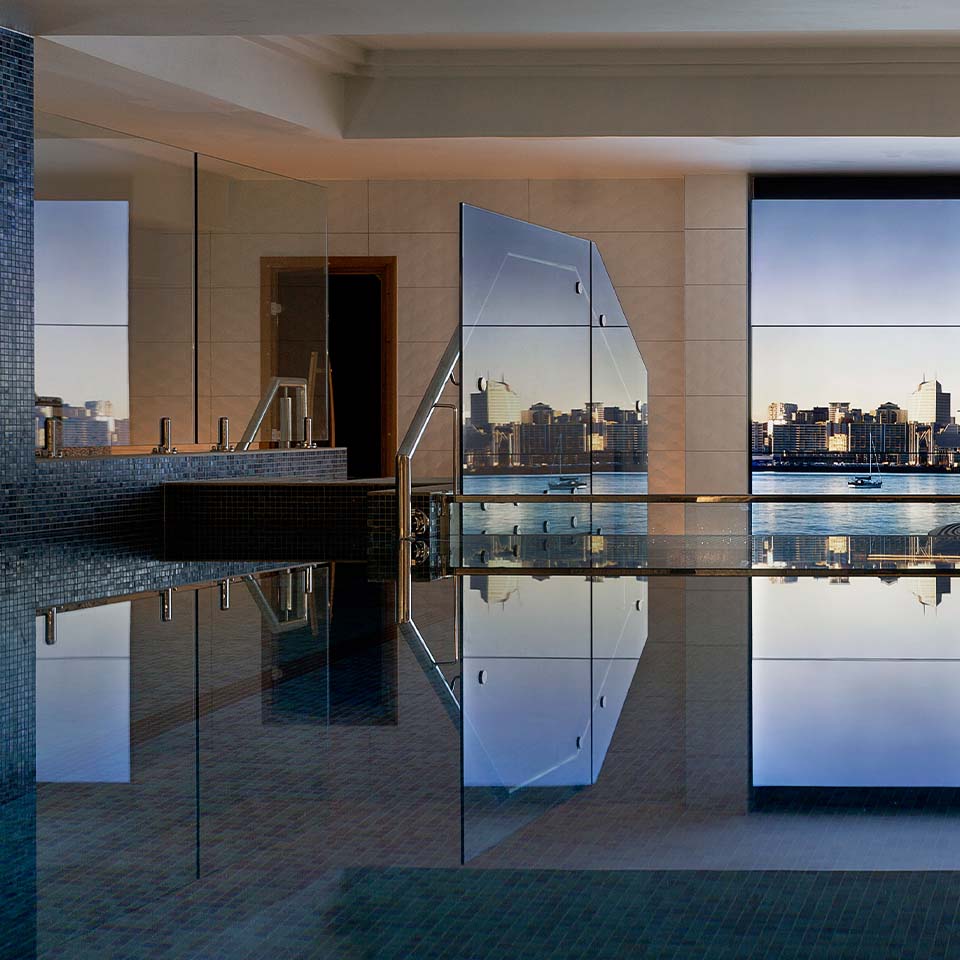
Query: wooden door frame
x=385, y=269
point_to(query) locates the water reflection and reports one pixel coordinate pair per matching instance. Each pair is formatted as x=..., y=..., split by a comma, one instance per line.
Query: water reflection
x=547, y=665
x=83, y=695
x=854, y=682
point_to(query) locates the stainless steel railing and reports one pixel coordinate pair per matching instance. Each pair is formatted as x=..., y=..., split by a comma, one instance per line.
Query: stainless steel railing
x=293, y=411
x=413, y=436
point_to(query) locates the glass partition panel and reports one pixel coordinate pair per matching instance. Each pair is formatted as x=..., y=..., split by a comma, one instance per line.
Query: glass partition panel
x=517, y=274
x=113, y=287
x=262, y=270
x=525, y=387
x=554, y=389
x=618, y=428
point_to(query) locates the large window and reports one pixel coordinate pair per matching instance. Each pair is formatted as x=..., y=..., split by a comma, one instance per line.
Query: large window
x=855, y=363
x=855, y=386
x=81, y=354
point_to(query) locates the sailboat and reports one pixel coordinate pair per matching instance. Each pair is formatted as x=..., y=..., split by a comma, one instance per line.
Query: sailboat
x=562, y=482
x=870, y=481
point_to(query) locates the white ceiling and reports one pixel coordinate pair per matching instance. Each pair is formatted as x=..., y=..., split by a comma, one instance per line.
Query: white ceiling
x=404, y=91
x=444, y=17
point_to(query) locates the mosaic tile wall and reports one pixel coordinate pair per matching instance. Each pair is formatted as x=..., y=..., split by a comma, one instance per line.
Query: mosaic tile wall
x=18, y=887
x=116, y=503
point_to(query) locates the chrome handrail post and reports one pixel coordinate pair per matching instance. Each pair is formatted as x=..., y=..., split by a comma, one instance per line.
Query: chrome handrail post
x=414, y=434
x=299, y=384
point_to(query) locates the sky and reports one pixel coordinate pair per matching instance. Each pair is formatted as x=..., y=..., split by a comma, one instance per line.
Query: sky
x=81, y=265
x=855, y=269
x=552, y=364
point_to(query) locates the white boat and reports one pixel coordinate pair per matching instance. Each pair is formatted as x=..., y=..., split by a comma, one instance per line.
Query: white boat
x=870, y=481
x=567, y=483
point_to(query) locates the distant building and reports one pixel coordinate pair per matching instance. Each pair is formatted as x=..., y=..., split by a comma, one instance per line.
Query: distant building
x=539, y=413
x=929, y=404
x=890, y=413
x=839, y=411
x=87, y=432
x=813, y=415
x=798, y=438
x=496, y=403
x=99, y=408
x=778, y=410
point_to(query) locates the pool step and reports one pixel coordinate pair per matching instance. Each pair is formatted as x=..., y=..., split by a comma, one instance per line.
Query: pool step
x=265, y=518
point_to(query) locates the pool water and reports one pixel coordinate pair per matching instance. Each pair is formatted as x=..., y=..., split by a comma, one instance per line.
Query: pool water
x=559, y=763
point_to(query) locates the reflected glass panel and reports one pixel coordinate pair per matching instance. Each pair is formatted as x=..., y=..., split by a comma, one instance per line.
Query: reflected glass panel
x=620, y=612
x=864, y=697
x=611, y=684
x=547, y=665
x=262, y=251
x=83, y=696
x=116, y=799
x=523, y=616
x=114, y=259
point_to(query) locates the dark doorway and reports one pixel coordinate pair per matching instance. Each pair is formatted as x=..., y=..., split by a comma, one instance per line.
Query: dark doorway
x=354, y=346
x=362, y=338
x=337, y=328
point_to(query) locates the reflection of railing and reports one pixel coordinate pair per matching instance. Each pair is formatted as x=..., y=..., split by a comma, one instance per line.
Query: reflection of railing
x=432, y=668
x=292, y=414
x=296, y=585
x=411, y=440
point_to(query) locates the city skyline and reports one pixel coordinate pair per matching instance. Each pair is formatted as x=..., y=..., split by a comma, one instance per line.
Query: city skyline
x=814, y=367
x=760, y=411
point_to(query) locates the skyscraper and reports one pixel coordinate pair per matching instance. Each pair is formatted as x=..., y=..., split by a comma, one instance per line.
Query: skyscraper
x=929, y=404
x=496, y=403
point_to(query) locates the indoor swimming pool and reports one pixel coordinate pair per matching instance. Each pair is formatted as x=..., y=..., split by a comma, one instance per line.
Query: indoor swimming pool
x=700, y=741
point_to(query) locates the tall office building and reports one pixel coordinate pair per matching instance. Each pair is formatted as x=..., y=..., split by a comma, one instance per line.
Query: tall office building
x=929, y=404
x=495, y=404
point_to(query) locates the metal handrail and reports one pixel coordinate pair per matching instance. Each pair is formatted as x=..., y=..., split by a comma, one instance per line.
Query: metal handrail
x=299, y=384
x=413, y=436
x=706, y=498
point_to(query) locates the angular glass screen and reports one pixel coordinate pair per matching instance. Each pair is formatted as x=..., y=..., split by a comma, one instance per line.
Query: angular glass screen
x=517, y=274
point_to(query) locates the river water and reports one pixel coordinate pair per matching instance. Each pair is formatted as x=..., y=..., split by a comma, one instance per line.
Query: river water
x=822, y=519
x=842, y=519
